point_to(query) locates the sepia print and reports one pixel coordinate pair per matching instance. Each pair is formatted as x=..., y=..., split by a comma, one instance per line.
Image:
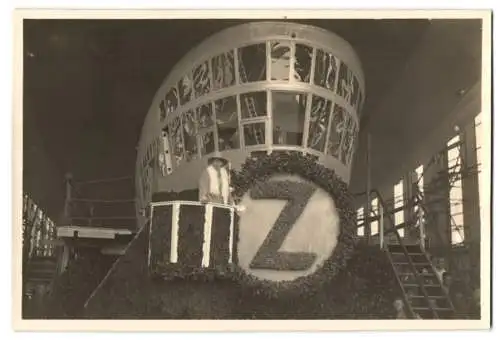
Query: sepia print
x=255, y=169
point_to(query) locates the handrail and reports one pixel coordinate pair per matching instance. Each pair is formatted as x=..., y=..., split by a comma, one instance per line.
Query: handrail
x=104, y=180
x=103, y=218
x=89, y=200
x=72, y=201
x=393, y=229
x=196, y=203
x=440, y=283
x=405, y=298
x=407, y=255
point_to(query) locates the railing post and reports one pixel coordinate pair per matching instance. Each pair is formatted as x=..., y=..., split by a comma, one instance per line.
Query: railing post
x=421, y=228
x=368, y=207
x=381, y=231
x=67, y=199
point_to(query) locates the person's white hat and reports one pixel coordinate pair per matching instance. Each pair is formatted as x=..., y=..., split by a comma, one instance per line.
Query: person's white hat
x=217, y=156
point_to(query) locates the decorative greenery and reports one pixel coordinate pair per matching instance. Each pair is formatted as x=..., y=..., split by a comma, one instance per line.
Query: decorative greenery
x=190, y=244
x=357, y=282
x=261, y=168
x=253, y=177
x=364, y=289
x=173, y=272
x=73, y=287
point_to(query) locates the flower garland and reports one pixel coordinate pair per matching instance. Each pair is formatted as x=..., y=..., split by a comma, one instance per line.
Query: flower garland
x=255, y=171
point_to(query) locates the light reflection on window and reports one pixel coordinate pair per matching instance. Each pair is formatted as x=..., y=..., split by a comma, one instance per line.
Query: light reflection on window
x=352, y=141
x=348, y=85
x=336, y=130
x=280, y=60
x=302, y=63
x=348, y=140
x=325, y=70
x=252, y=63
x=223, y=70
x=169, y=104
x=226, y=115
x=318, y=123
x=185, y=89
x=201, y=80
x=190, y=135
x=205, y=116
x=175, y=132
x=288, y=117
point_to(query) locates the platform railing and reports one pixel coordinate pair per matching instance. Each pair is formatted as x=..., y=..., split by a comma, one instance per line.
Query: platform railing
x=38, y=230
x=191, y=236
x=80, y=211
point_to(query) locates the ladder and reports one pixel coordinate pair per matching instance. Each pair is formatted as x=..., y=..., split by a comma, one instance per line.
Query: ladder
x=423, y=293
x=251, y=106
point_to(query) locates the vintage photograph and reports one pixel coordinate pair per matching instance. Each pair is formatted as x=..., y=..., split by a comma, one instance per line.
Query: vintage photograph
x=204, y=168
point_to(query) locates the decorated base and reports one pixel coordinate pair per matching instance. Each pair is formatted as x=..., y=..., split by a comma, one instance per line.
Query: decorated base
x=295, y=257
x=365, y=289
x=187, y=239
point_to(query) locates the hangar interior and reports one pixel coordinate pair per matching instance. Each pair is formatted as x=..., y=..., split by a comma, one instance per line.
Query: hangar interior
x=417, y=164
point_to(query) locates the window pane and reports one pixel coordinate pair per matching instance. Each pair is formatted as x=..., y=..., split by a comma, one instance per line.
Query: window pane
x=207, y=143
x=360, y=221
x=399, y=216
x=169, y=104
x=280, y=60
x=185, y=89
x=481, y=159
x=175, y=132
x=318, y=124
x=253, y=104
x=226, y=116
x=336, y=130
x=288, y=117
x=205, y=117
x=252, y=63
x=254, y=134
x=223, y=70
x=361, y=231
x=455, y=198
x=190, y=133
x=374, y=225
x=302, y=63
x=325, y=70
x=201, y=80
x=348, y=86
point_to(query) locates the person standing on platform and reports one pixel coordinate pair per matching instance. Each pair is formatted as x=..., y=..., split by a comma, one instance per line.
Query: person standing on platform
x=214, y=183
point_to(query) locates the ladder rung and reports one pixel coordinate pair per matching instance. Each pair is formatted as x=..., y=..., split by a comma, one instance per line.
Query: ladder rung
x=415, y=264
x=430, y=297
x=438, y=309
x=420, y=274
x=411, y=254
x=417, y=285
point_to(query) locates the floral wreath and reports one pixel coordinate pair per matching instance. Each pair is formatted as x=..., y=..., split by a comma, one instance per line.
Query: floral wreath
x=259, y=169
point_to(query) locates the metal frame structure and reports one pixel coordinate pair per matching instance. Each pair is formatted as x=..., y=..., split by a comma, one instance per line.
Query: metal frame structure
x=341, y=86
